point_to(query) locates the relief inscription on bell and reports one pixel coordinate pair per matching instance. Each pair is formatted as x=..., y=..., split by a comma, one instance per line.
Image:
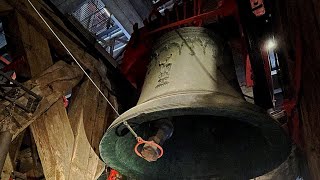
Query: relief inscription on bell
x=164, y=73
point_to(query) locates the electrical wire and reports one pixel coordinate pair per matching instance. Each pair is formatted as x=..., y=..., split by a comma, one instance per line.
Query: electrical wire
x=75, y=60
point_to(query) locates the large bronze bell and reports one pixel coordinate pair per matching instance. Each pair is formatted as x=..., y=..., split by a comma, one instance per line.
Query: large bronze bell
x=191, y=82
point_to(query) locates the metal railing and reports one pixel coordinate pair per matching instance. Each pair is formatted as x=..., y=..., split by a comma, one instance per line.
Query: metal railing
x=94, y=16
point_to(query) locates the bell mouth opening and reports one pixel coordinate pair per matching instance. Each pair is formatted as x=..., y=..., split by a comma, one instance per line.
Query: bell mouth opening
x=201, y=147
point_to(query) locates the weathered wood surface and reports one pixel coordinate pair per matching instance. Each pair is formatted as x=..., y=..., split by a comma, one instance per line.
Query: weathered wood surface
x=96, y=111
x=36, y=47
x=57, y=146
x=86, y=119
x=51, y=85
x=23, y=7
x=15, y=147
x=67, y=148
x=54, y=139
x=10, y=162
x=63, y=144
x=5, y=8
x=7, y=168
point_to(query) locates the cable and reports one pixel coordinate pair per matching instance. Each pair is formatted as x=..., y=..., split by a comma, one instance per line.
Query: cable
x=138, y=138
x=76, y=61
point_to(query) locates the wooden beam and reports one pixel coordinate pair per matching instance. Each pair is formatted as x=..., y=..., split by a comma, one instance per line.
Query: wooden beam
x=52, y=84
x=64, y=146
x=69, y=6
x=5, y=8
x=10, y=162
x=35, y=45
x=60, y=151
x=54, y=138
x=88, y=61
x=15, y=148
x=87, y=114
x=7, y=169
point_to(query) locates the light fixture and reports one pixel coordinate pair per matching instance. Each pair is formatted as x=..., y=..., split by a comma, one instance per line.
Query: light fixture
x=271, y=44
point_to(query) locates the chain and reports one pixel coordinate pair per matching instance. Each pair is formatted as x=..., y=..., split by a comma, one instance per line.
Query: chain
x=15, y=97
x=130, y=129
x=10, y=110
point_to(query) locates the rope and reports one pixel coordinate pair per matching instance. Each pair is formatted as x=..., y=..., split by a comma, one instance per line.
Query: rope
x=75, y=60
x=139, y=139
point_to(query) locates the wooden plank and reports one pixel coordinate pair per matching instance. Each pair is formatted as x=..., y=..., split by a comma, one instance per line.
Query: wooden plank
x=52, y=130
x=81, y=54
x=51, y=85
x=5, y=8
x=7, y=169
x=63, y=145
x=102, y=115
x=88, y=61
x=10, y=162
x=82, y=115
x=36, y=47
x=54, y=138
x=63, y=154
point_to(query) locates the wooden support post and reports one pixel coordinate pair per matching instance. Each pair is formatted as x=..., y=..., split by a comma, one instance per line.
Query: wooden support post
x=11, y=157
x=5, y=8
x=54, y=138
x=7, y=169
x=87, y=114
x=63, y=146
x=67, y=148
x=51, y=85
x=88, y=61
x=5, y=140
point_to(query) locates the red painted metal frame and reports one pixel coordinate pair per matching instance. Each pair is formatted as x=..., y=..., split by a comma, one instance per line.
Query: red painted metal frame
x=138, y=50
x=18, y=61
x=4, y=60
x=291, y=105
x=114, y=175
x=249, y=79
x=12, y=65
x=136, y=56
x=228, y=8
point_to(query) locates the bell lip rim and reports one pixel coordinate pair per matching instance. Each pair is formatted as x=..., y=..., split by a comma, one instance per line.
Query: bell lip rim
x=150, y=107
x=271, y=128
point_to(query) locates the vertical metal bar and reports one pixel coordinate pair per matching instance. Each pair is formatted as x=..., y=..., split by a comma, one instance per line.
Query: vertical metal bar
x=5, y=140
x=195, y=7
x=199, y=6
x=115, y=20
x=184, y=9
x=113, y=41
x=176, y=9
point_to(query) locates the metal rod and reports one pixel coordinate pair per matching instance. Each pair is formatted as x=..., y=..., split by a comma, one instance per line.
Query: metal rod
x=5, y=140
x=130, y=129
x=75, y=60
x=16, y=103
x=20, y=85
x=226, y=9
